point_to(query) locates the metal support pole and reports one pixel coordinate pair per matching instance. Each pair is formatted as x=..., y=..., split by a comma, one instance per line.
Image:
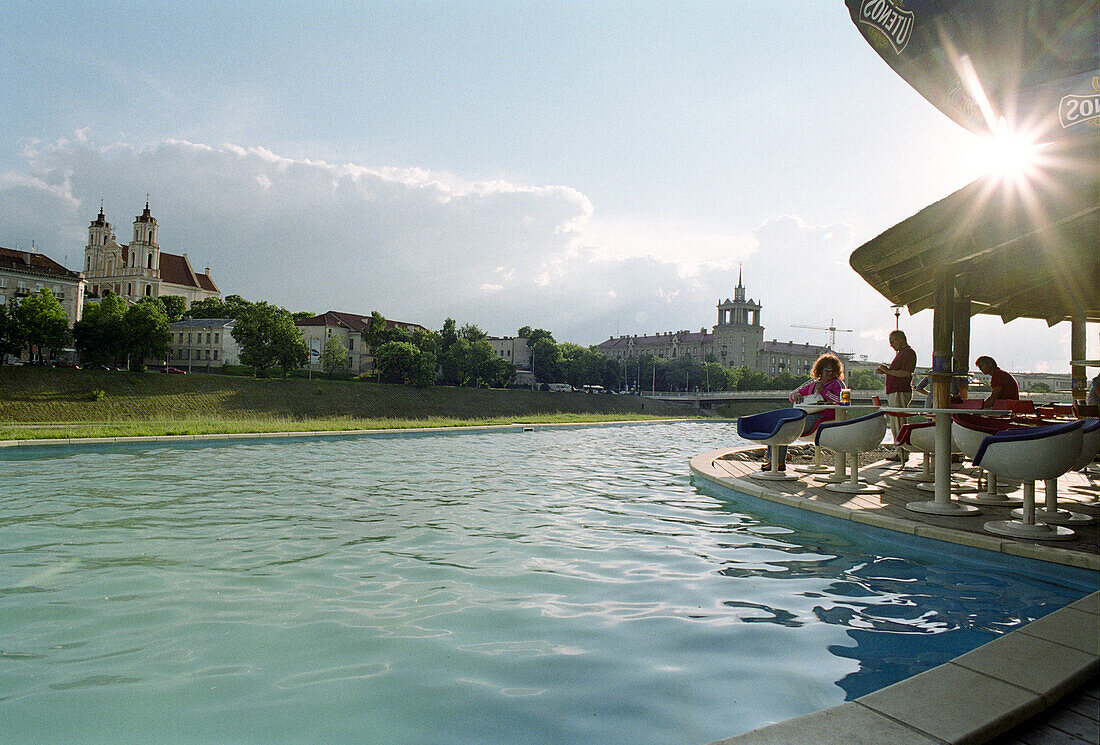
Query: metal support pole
x=943, y=321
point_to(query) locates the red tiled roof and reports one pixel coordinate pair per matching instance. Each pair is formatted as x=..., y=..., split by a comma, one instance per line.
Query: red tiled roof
x=680, y=337
x=354, y=322
x=33, y=263
x=177, y=270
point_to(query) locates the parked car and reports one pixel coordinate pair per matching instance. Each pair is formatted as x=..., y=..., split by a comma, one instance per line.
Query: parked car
x=72, y=365
x=174, y=371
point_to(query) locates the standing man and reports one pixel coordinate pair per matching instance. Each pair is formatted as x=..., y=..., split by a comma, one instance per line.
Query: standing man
x=899, y=382
x=1002, y=385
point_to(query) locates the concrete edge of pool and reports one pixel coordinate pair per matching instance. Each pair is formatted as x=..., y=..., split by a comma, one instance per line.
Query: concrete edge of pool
x=970, y=699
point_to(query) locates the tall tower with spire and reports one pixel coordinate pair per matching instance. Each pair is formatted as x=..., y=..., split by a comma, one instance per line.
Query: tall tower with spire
x=738, y=335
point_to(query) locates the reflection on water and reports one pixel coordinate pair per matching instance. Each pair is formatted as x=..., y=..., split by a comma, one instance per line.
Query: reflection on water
x=539, y=587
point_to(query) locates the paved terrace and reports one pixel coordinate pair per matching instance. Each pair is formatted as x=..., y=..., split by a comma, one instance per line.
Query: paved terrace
x=1033, y=686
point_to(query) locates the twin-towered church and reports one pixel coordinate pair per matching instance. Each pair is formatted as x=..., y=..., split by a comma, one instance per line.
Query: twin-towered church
x=140, y=269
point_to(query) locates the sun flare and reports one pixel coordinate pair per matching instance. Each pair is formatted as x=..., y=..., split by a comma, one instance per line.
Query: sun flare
x=1009, y=154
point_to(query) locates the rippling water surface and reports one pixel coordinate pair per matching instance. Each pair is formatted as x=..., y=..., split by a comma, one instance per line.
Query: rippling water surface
x=554, y=586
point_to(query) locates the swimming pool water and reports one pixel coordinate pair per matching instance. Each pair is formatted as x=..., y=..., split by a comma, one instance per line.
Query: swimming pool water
x=552, y=586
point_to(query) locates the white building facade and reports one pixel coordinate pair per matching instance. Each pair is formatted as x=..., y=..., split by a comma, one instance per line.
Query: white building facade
x=352, y=330
x=203, y=343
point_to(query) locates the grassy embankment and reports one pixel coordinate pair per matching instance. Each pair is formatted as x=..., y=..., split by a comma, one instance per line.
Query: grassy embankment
x=39, y=402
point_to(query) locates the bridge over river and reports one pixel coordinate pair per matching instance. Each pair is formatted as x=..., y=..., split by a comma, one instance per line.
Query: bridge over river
x=748, y=400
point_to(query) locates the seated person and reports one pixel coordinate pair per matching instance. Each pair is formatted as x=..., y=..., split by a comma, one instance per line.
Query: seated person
x=1002, y=385
x=823, y=388
x=1093, y=399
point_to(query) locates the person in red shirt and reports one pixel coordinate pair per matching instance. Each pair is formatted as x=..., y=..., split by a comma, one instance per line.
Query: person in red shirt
x=899, y=382
x=1002, y=385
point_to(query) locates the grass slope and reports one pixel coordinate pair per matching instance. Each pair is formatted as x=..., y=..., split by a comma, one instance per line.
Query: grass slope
x=154, y=403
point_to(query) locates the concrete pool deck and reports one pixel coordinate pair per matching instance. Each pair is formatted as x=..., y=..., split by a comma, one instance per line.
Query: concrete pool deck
x=975, y=697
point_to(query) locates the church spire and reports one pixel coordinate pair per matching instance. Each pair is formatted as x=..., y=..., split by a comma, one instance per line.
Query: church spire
x=739, y=291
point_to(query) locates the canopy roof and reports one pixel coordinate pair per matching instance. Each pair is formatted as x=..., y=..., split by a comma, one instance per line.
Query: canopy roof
x=1017, y=247
x=1025, y=247
x=1033, y=62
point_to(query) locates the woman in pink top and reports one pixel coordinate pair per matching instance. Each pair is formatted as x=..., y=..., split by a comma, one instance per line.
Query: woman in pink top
x=824, y=387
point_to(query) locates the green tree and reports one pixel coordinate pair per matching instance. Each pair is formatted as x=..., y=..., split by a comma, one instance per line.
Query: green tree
x=864, y=380
x=787, y=381
x=335, y=357
x=233, y=306
x=546, y=361
x=145, y=332
x=99, y=333
x=718, y=378
x=395, y=333
x=485, y=367
x=174, y=307
x=10, y=341
x=752, y=380
x=291, y=351
x=424, y=373
x=425, y=341
x=396, y=361
x=268, y=337
x=533, y=336
x=454, y=361
x=472, y=333
x=1040, y=387
x=41, y=322
x=405, y=362
x=580, y=366
x=376, y=327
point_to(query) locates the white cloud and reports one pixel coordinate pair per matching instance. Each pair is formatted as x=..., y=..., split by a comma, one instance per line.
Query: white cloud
x=421, y=245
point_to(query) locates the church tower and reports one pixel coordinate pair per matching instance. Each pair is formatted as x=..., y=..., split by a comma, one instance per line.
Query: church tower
x=102, y=255
x=738, y=335
x=144, y=254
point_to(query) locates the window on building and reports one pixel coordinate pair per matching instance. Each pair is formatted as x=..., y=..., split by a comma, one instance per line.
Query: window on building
x=207, y=354
x=148, y=290
x=215, y=354
x=150, y=262
x=207, y=337
x=215, y=337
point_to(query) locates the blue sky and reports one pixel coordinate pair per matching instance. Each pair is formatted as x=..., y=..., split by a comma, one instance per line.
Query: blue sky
x=592, y=168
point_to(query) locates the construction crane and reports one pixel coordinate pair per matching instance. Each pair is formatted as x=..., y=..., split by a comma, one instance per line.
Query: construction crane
x=831, y=328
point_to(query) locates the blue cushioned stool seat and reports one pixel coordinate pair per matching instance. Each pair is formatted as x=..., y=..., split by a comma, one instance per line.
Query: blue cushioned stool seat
x=773, y=428
x=1032, y=454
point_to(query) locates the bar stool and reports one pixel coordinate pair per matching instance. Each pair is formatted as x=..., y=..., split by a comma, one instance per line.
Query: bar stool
x=853, y=436
x=968, y=431
x=773, y=428
x=1036, y=453
x=1049, y=513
